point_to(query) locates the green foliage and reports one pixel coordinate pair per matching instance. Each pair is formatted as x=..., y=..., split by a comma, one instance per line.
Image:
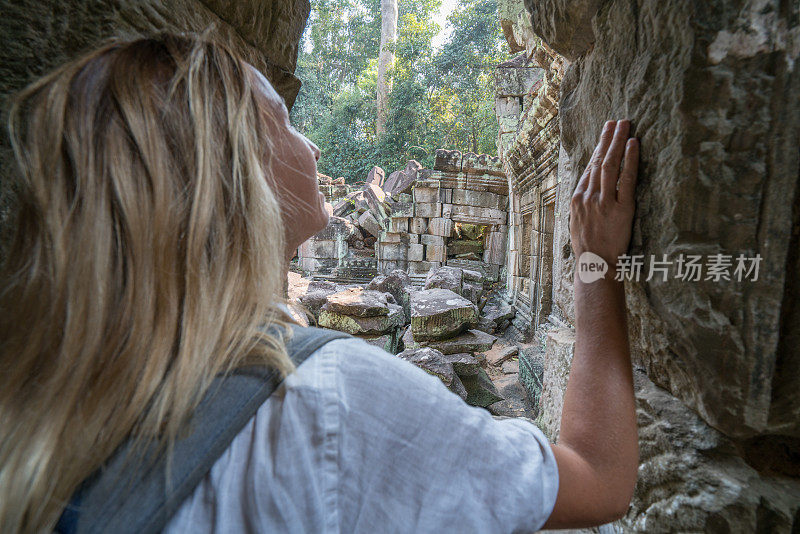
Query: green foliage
x=439, y=99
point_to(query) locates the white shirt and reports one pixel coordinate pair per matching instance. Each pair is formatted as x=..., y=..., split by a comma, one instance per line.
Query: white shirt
x=358, y=440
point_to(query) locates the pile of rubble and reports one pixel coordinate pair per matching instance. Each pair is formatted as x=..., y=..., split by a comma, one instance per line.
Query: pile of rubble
x=439, y=328
x=346, y=249
x=415, y=220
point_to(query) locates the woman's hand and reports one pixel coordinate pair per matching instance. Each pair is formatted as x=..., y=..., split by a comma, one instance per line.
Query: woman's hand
x=601, y=211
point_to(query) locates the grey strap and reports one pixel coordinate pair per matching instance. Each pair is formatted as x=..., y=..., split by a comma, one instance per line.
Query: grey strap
x=134, y=496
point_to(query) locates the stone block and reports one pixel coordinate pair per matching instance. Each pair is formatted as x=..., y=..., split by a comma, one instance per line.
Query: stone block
x=477, y=215
x=480, y=199
x=435, y=240
x=358, y=302
x=376, y=176
x=317, y=294
x=566, y=26
x=398, y=224
x=726, y=349
x=495, y=249
x=447, y=211
x=318, y=265
x=445, y=278
x=390, y=237
x=393, y=251
x=396, y=283
x=428, y=195
x=387, y=266
x=470, y=341
x=374, y=325
x=418, y=225
x=413, y=239
x=559, y=348
x=481, y=391
x=343, y=207
x=691, y=479
x=401, y=182
x=317, y=248
x=489, y=271
x=447, y=160
x=435, y=253
x=440, y=314
x=416, y=252
x=440, y=226
x=387, y=342
x=337, y=228
x=403, y=209
x=473, y=291
x=481, y=164
x=425, y=209
x=434, y=362
x=422, y=267
x=368, y=223
x=445, y=195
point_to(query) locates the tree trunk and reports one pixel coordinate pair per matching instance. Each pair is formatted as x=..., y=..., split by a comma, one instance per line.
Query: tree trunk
x=385, y=60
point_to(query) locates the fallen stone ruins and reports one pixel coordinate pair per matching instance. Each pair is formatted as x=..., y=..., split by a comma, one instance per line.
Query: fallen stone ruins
x=415, y=219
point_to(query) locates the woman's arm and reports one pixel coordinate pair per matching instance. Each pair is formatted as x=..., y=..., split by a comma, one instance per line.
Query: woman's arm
x=597, y=453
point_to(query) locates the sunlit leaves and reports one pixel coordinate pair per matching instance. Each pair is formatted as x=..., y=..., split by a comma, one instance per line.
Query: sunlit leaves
x=440, y=98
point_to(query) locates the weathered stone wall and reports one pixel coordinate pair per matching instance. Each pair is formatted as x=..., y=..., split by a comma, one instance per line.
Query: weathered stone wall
x=36, y=36
x=712, y=91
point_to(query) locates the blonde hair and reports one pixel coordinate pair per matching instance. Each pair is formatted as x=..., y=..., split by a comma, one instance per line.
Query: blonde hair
x=147, y=259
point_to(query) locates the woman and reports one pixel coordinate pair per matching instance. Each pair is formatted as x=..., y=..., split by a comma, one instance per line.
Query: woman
x=161, y=191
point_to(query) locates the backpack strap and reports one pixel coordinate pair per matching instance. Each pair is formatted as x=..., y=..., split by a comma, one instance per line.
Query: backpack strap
x=127, y=496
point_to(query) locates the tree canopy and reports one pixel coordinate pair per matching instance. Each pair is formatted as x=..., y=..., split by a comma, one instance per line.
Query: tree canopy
x=440, y=98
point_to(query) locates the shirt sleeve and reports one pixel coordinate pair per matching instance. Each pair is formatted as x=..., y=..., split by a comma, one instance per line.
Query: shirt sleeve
x=414, y=457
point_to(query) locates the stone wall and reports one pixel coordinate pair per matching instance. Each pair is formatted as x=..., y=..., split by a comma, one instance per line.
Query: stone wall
x=712, y=91
x=37, y=35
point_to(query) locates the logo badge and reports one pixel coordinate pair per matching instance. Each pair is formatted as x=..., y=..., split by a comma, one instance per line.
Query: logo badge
x=591, y=267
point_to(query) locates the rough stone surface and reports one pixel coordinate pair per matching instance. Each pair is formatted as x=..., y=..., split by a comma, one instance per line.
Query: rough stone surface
x=358, y=302
x=376, y=176
x=692, y=480
x=472, y=291
x=480, y=389
x=719, y=174
x=372, y=325
x=398, y=284
x=434, y=362
x=368, y=222
x=317, y=295
x=445, y=278
x=559, y=348
x=440, y=314
x=470, y=341
x=400, y=182
x=511, y=367
x=387, y=342
x=565, y=25
x=338, y=228
x=497, y=313
x=504, y=355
